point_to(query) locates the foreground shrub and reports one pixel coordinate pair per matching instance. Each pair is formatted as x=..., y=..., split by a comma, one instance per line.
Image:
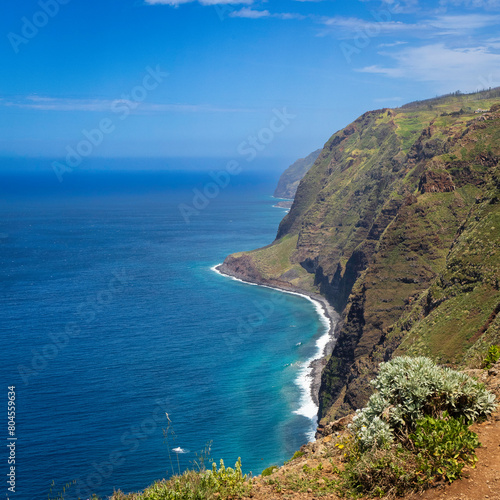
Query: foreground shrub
x=414, y=430
x=377, y=472
x=226, y=481
x=409, y=389
x=438, y=450
x=193, y=485
x=445, y=446
x=492, y=356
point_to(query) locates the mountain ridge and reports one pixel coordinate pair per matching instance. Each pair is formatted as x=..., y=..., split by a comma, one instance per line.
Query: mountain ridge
x=384, y=226
x=291, y=177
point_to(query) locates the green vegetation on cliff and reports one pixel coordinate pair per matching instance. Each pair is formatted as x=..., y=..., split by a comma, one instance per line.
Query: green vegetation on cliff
x=397, y=224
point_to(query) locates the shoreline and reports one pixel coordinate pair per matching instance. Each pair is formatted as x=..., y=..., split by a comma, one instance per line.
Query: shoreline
x=309, y=377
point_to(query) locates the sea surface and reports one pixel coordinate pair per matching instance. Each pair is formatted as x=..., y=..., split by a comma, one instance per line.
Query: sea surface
x=128, y=353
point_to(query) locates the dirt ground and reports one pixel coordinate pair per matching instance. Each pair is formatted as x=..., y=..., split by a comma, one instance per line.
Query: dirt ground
x=482, y=482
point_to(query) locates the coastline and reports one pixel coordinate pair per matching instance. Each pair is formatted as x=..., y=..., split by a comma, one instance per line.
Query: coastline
x=285, y=203
x=309, y=378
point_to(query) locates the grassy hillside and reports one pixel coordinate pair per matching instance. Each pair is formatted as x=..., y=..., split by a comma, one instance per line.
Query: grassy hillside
x=397, y=224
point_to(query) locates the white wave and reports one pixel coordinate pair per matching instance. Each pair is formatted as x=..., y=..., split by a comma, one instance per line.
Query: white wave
x=308, y=408
x=179, y=450
x=215, y=270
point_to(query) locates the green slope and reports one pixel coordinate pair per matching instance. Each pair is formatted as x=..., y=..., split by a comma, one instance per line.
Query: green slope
x=397, y=224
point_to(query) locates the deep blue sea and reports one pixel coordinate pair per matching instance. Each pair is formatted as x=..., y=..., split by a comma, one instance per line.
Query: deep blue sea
x=112, y=318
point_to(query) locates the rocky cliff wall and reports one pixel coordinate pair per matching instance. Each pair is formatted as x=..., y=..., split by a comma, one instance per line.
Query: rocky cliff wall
x=397, y=225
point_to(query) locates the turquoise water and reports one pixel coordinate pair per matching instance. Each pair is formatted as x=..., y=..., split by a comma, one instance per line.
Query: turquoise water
x=112, y=317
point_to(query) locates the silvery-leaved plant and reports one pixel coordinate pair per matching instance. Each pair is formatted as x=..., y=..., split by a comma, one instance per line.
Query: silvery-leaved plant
x=407, y=389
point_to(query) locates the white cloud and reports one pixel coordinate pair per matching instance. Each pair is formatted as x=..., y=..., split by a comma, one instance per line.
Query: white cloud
x=482, y=4
x=245, y=12
x=176, y=3
x=345, y=27
x=399, y=6
x=394, y=72
x=288, y=15
x=167, y=2
x=451, y=69
x=41, y=103
x=494, y=43
x=438, y=26
x=393, y=44
x=452, y=24
x=249, y=13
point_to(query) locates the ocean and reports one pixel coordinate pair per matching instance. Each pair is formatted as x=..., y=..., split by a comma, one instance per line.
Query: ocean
x=129, y=354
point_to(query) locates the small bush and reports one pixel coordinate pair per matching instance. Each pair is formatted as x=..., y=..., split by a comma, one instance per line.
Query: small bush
x=409, y=389
x=414, y=430
x=444, y=447
x=226, y=481
x=269, y=470
x=297, y=454
x=378, y=472
x=492, y=357
x=193, y=485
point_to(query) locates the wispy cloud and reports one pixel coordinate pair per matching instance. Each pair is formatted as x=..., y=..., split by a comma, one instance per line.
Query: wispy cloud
x=249, y=13
x=393, y=44
x=481, y=4
x=289, y=15
x=494, y=43
x=461, y=24
x=176, y=3
x=58, y=104
x=42, y=103
x=438, y=26
x=460, y=68
x=346, y=27
x=399, y=7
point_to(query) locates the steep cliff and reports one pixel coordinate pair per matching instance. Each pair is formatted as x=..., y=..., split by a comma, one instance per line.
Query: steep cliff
x=291, y=177
x=397, y=224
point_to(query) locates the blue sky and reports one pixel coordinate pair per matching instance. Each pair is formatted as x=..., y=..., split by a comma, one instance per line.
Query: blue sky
x=166, y=78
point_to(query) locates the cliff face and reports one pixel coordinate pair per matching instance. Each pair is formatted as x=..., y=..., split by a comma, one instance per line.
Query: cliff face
x=291, y=177
x=397, y=224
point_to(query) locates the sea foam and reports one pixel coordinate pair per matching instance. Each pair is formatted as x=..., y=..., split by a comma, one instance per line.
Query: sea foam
x=308, y=408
